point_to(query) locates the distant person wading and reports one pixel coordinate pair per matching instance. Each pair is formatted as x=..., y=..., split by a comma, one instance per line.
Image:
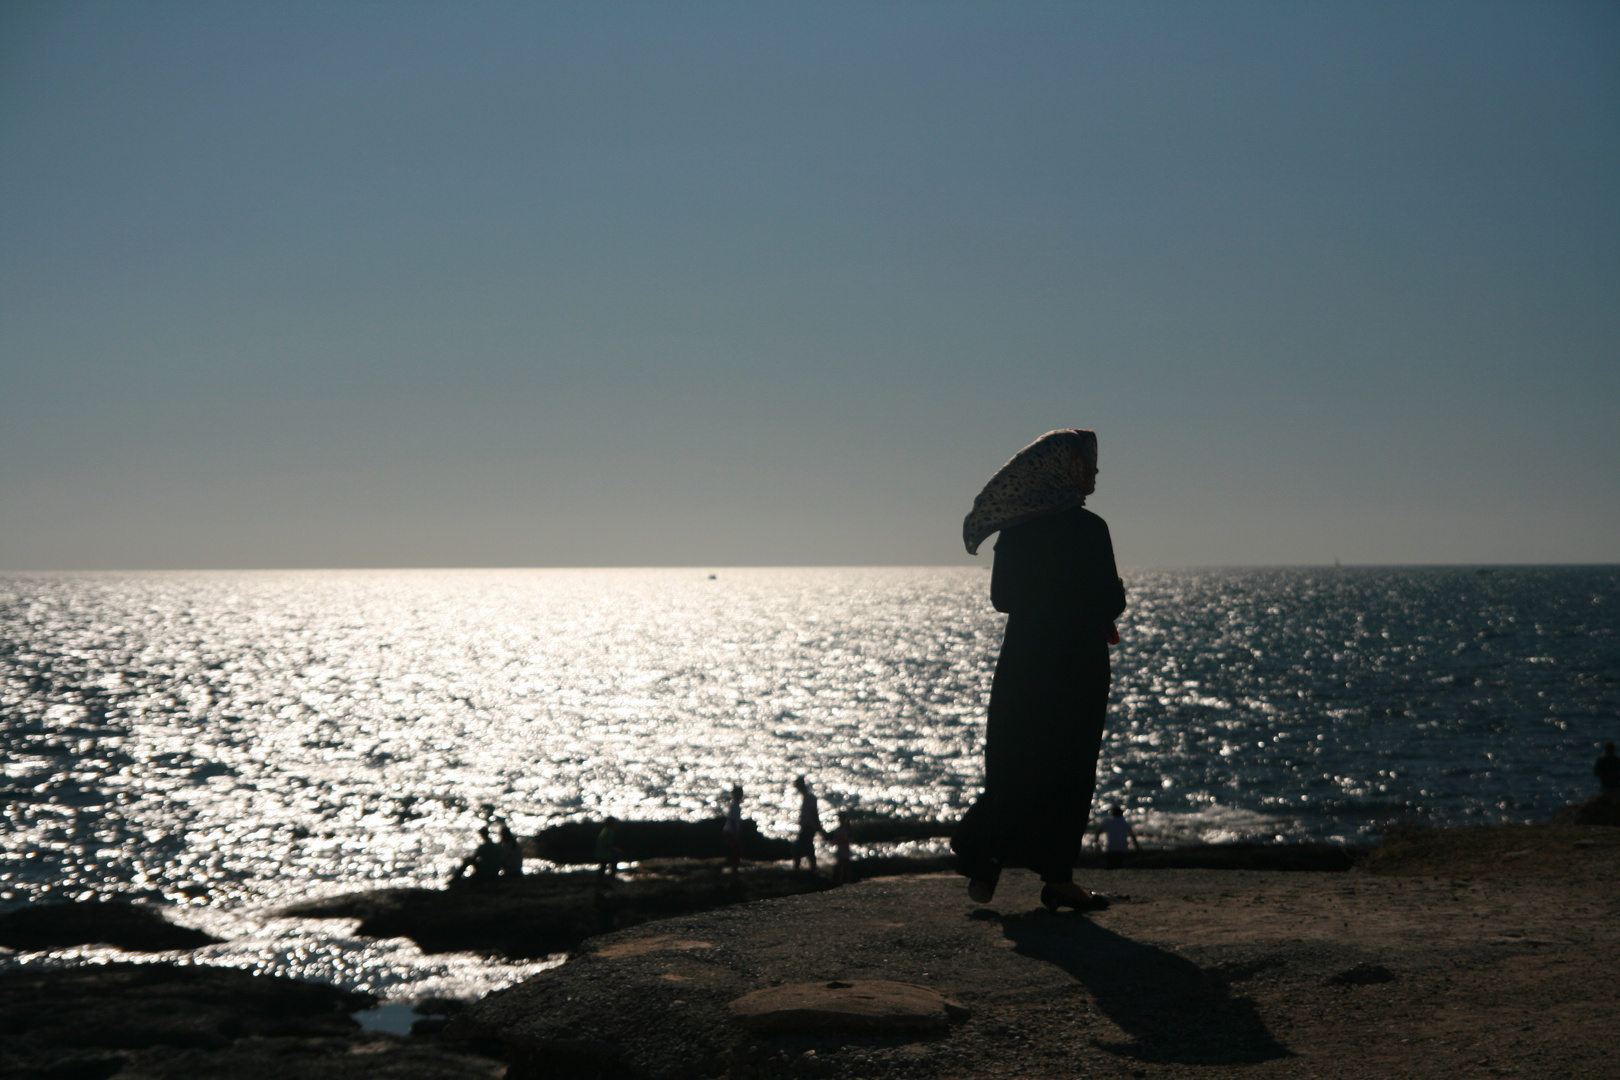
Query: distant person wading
x=1055, y=578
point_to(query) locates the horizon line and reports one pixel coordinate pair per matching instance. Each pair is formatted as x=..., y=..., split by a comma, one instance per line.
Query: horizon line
x=712, y=567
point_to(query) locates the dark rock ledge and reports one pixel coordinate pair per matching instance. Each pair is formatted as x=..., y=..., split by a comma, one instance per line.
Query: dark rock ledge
x=541, y=914
x=192, y=1022
x=132, y=927
x=575, y=841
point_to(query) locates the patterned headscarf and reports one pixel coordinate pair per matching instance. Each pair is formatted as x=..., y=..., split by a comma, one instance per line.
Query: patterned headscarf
x=1039, y=480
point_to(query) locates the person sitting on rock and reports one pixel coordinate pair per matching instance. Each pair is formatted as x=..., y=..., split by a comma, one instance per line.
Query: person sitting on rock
x=1607, y=770
x=486, y=862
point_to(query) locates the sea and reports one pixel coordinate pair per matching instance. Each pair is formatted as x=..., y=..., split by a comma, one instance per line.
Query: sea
x=227, y=743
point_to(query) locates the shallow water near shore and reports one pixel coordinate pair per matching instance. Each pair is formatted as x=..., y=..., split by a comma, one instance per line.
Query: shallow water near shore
x=231, y=742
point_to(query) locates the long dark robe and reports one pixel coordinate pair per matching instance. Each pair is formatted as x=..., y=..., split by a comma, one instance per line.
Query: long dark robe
x=1056, y=580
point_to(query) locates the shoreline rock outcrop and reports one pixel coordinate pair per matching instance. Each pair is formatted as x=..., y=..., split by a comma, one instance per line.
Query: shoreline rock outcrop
x=1190, y=973
x=538, y=915
x=1601, y=809
x=131, y=927
x=541, y=914
x=163, y=1021
x=574, y=842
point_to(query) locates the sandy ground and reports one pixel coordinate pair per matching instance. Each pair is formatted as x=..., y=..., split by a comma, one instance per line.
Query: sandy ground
x=1192, y=973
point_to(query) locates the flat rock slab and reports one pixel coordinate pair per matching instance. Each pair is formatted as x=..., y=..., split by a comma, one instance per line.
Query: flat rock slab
x=876, y=1006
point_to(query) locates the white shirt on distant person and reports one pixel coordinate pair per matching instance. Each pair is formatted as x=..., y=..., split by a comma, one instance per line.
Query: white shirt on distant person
x=1118, y=831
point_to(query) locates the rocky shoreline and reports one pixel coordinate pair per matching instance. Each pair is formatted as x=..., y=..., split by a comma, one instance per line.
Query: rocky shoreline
x=659, y=961
x=542, y=914
x=1507, y=968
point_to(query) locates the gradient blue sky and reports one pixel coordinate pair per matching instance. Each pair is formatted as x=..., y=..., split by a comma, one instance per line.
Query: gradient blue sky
x=501, y=284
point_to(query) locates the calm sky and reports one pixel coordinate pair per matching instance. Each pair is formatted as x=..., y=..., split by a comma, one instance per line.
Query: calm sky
x=350, y=284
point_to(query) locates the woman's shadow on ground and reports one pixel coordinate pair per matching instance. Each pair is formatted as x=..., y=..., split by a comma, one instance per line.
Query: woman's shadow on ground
x=1173, y=1010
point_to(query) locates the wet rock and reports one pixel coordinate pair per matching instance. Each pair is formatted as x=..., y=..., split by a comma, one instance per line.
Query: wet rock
x=435, y=1014
x=869, y=1006
x=575, y=841
x=130, y=1006
x=134, y=927
x=1599, y=810
x=168, y=1021
x=541, y=914
x=72, y=1017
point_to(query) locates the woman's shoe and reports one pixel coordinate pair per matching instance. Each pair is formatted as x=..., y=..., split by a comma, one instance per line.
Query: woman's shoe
x=981, y=890
x=1070, y=895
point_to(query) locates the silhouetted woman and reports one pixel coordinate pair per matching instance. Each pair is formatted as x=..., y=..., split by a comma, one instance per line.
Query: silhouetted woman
x=1056, y=580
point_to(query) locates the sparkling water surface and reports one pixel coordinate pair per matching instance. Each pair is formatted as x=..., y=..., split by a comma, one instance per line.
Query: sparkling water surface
x=230, y=742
